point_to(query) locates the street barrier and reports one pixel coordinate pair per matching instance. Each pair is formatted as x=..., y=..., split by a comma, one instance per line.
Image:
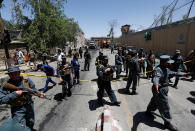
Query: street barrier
x=107, y=122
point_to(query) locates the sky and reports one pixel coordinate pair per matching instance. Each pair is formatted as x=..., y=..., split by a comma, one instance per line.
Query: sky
x=93, y=16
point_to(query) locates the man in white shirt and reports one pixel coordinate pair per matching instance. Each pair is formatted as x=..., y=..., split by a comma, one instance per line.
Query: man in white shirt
x=20, y=57
x=59, y=60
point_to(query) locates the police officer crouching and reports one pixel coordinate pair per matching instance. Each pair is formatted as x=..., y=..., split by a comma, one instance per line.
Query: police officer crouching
x=160, y=91
x=134, y=72
x=22, y=105
x=105, y=74
x=65, y=76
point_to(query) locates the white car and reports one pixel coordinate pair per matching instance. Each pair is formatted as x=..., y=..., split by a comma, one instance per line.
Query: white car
x=92, y=45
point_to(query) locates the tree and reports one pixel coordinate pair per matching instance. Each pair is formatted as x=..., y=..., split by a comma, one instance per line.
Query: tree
x=48, y=27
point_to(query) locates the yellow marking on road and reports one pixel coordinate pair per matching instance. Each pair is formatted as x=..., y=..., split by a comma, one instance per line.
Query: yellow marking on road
x=126, y=107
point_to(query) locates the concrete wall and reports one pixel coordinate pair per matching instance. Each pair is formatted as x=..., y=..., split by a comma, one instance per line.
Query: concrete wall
x=165, y=40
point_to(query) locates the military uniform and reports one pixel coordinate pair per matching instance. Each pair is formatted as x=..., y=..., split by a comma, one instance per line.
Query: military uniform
x=22, y=107
x=133, y=73
x=65, y=73
x=160, y=99
x=118, y=61
x=104, y=83
x=177, y=66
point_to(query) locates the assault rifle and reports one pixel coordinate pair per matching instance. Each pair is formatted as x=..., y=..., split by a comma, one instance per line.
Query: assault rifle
x=28, y=90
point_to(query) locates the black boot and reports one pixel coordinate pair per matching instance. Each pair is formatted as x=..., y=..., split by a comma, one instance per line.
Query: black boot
x=170, y=126
x=116, y=103
x=134, y=93
x=69, y=93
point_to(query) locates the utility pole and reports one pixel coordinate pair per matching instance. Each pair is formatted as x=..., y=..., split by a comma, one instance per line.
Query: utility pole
x=190, y=9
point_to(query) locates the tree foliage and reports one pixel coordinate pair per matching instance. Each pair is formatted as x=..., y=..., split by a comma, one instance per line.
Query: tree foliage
x=47, y=26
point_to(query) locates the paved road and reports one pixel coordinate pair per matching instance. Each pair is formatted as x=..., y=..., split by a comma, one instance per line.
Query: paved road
x=81, y=111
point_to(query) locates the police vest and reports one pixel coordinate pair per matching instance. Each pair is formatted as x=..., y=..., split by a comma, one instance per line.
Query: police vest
x=67, y=69
x=108, y=76
x=23, y=99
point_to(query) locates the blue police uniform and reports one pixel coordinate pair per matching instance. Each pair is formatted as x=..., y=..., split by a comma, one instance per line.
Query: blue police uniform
x=160, y=100
x=22, y=112
x=133, y=73
x=118, y=60
x=104, y=82
x=49, y=71
x=76, y=67
x=177, y=66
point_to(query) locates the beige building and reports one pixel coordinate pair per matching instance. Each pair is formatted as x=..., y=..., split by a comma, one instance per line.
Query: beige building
x=164, y=39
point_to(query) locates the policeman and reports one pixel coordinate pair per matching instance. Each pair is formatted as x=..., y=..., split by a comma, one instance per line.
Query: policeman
x=128, y=58
x=105, y=74
x=99, y=58
x=178, y=65
x=124, y=54
x=87, y=57
x=134, y=72
x=150, y=64
x=118, y=62
x=160, y=91
x=49, y=71
x=98, y=61
x=22, y=106
x=142, y=55
x=65, y=76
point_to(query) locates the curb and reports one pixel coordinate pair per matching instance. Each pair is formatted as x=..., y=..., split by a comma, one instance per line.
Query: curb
x=107, y=121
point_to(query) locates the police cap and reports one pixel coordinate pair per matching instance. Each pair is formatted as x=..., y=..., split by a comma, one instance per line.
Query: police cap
x=13, y=69
x=166, y=59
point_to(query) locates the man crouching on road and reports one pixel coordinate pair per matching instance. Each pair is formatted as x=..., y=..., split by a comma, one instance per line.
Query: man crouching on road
x=105, y=73
x=22, y=106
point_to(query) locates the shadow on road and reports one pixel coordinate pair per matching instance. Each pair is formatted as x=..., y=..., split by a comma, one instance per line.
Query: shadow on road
x=125, y=78
x=48, y=88
x=58, y=97
x=94, y=79
x=191, y=99
x=93, y=105
x=140, y=117
x=185, y=79
x=192, y=93
x=123, y=91
x=193, y=112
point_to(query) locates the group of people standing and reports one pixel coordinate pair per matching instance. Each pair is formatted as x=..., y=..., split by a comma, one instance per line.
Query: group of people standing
x=134, y=62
